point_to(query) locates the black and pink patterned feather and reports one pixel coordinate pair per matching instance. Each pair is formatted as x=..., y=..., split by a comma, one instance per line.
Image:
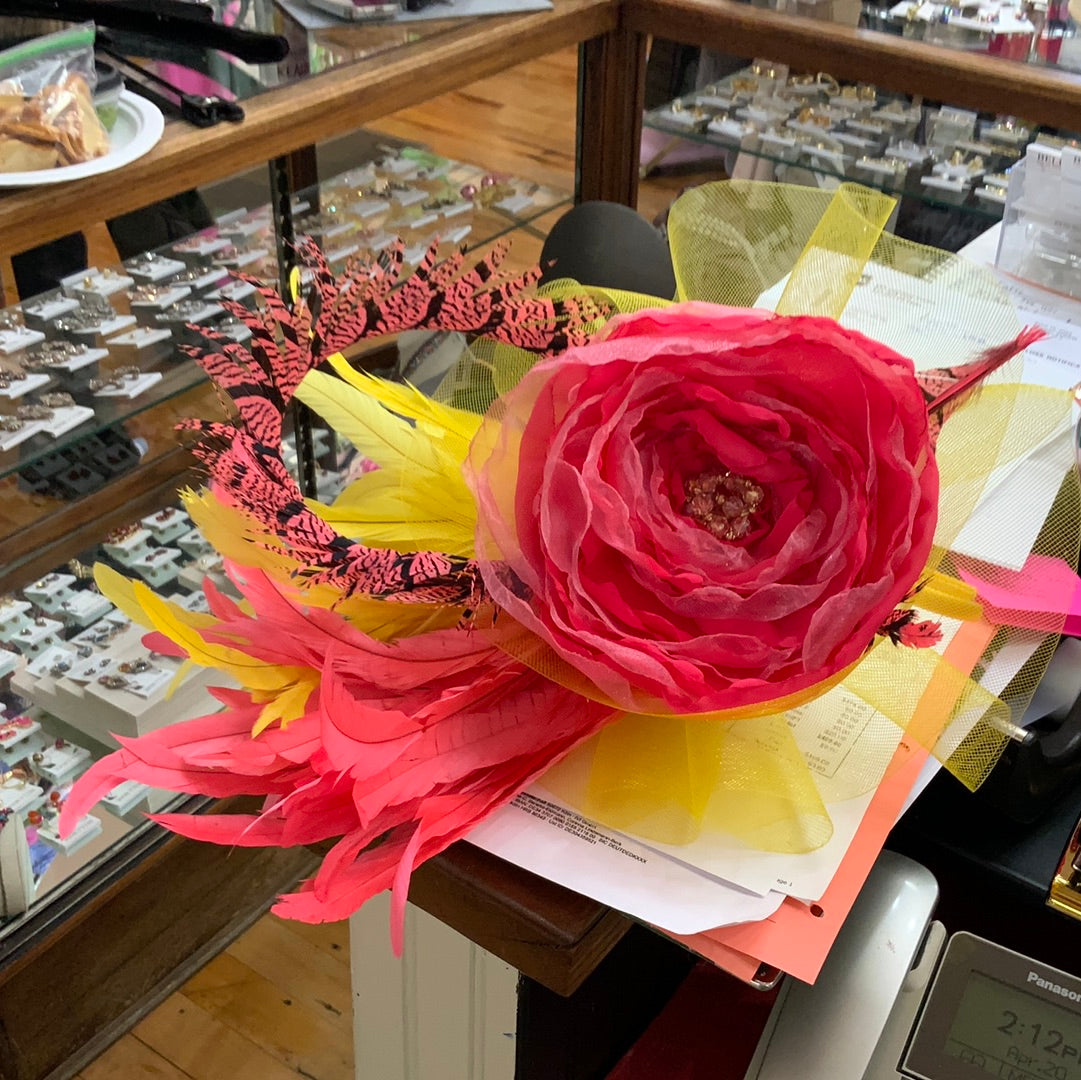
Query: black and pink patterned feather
x=331, y=313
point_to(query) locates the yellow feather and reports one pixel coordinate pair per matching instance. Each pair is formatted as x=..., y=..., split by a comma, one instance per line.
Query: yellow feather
x=175, y=623
x=117, y=588
x=286, y=705
x=418, y=499
x=949, y=596
x=372, y=429
x=406, y=400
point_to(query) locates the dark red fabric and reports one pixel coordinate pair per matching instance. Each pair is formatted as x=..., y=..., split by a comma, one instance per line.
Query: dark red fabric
x=708, y=1031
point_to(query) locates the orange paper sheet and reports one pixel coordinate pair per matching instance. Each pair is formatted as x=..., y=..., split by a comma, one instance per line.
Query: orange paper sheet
x=798, y=937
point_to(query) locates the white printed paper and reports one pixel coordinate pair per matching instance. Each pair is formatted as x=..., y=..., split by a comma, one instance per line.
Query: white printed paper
x=541, y=836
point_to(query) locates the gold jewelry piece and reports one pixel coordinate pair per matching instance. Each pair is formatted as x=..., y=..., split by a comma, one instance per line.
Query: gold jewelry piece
x=833, y=87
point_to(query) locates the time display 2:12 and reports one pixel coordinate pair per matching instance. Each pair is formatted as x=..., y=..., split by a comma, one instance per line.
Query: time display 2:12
x=1009, y=1032
x=1048, y=1039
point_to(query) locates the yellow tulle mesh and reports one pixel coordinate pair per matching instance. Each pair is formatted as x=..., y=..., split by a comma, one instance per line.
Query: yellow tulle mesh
x=767, y=779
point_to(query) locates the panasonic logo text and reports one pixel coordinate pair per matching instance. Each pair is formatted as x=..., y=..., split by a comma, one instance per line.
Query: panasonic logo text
x=1053, y=987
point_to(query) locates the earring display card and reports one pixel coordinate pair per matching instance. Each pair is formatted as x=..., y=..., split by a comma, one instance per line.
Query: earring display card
x=144, y=344
x=67, y=418
x=13, y=617
x=18, y=388
x=15, y=730
x=61, y=764
x=126, y=797
x=104, y=284
x=53, y=603
x=36, y=634
x=46, y=589
x=168, y=524
x=154, y=267
x=20, y=797
x=129, y=548
x=53, y=662
x=9, y=661
x=15, y=339
x=148, y=683
x=44, y=309
x=238, y=260
x=456, y=236
x=200, y=247
x=105, y=328
x=193, y=544
x=162, y=299
x=83, y=358
x=86, y=829
x=130, y=387
x=158, y=566
x=235, y=290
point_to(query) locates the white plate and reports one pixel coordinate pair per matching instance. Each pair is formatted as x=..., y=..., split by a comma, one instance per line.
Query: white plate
x=138, y=128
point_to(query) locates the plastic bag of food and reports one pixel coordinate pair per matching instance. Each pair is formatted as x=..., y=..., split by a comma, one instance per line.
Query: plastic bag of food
x=47, y=116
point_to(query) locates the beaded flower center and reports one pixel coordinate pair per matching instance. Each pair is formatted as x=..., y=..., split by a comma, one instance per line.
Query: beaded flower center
x=723, y=502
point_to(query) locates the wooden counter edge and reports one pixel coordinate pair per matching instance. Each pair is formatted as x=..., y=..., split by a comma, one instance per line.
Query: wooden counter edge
x=282, y=120
x=985, y=83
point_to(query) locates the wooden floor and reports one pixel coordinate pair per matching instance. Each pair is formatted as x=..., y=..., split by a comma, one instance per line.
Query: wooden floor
x=276, y=1005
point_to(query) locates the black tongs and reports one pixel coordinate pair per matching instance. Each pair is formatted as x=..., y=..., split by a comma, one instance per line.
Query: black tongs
x=169, y=20
x=201, y=110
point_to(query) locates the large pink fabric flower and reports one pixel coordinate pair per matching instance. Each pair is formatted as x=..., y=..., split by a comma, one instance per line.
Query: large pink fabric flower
x=709, y=509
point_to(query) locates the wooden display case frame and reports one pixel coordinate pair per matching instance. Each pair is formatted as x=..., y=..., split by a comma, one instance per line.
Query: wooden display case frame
x=167, y=905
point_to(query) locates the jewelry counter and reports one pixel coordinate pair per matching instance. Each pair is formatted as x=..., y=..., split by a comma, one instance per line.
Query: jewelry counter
x=186, y=901
x=93, y=378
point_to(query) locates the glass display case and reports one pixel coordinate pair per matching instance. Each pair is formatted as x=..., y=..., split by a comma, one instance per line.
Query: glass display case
x=94, y=478
x=93, y=379
x=946, y=166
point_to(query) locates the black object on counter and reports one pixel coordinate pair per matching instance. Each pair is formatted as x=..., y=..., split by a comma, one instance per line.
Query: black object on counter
x=609, y=245
x=200, y=110
x=173, y=20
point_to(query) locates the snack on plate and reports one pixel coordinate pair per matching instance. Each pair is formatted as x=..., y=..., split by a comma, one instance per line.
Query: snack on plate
x=53, y=128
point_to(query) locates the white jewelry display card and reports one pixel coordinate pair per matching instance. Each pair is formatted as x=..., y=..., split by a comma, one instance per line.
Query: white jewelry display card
x=125, y=797
x=47, y=310
x=16, y=730
x=17, y=338
x=158, y=566
x=53, y=662
x=131, y=388
x=13, y=616
x=168, y=524
x=142, y=337
x=36, y=634
x=18, y=387
x=155, y=268
x=67, y=418
x=85, y=830
x=80, y=360
x=107, y=326
x=130, y=548
x=60, y=764
x=20, y=797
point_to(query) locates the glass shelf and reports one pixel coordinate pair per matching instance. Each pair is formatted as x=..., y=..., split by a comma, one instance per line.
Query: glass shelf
x=941, y=162
x=100, y=432
x=59, y=638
